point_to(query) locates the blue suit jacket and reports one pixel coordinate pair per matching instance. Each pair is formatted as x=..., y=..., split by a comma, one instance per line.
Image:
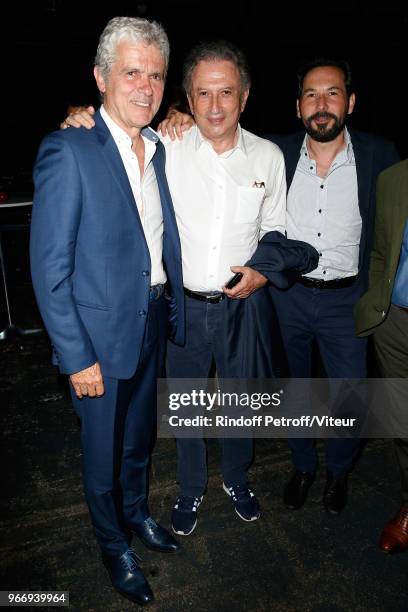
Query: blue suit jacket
x=372, y=154
x=90, y=263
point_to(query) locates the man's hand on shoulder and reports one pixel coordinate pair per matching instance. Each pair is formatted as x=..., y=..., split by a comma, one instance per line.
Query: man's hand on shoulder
x=79, y=116
x=175, y=124
x=250, y=282
x=88, y=382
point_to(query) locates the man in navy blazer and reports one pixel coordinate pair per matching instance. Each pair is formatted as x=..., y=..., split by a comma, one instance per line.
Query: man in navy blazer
x=331, y=174
x=104, y=244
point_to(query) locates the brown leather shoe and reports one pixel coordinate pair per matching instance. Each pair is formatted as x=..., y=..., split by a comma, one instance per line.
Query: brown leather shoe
x=394, y=538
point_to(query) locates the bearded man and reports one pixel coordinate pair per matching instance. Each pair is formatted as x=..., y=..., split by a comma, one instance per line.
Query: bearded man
x=331, y=174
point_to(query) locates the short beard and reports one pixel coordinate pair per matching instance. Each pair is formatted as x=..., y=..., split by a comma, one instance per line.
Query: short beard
x=322, y=133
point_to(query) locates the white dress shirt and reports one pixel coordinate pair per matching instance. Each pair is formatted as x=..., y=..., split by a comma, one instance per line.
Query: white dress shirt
x=223, y=203
x=146, y=193
x=325, y=212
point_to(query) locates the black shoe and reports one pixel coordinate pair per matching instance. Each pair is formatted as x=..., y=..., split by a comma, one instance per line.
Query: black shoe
x=184, y=515
x=127, y=577
x=335, y=493
x=245, y=503
x=296, y=490
x=155, y=537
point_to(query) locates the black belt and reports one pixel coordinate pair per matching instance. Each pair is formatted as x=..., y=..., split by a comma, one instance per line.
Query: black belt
x=156, y=291
x=214, y=298
x=319, y=283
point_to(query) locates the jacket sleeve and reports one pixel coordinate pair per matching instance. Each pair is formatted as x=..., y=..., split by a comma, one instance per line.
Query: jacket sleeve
x=55, y=222
x=283, y=260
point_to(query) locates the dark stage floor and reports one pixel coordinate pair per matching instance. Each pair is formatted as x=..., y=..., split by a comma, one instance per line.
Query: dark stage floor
x=300, y=561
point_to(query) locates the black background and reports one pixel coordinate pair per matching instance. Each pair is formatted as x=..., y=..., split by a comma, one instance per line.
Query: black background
x=48, y=49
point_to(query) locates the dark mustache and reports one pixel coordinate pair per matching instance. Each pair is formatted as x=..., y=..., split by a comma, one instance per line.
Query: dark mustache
x=322, y=115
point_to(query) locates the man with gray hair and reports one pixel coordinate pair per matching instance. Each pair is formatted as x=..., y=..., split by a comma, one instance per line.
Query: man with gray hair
x=104, y=244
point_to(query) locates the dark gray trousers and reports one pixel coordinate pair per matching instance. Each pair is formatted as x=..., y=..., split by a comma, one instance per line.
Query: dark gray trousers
x=391, y=346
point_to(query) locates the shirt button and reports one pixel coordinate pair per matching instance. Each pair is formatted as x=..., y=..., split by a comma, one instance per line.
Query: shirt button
x=320, y=210
x=142, y=313
x=324, y=271
x=320, y=254
x=218, y=218
x=319, y=234
x=145, y=273
x=311, y=167
x=214, y=248
x=321, y=186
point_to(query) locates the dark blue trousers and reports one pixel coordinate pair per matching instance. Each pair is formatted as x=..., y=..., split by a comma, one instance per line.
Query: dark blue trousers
x=204, y=341
x=325, y=315
x=116, y=436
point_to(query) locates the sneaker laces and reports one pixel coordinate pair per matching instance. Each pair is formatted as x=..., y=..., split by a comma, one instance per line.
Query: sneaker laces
x=187, y=504
x=241, y=492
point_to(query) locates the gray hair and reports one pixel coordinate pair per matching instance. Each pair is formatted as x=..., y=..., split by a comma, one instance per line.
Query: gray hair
x=133, y=29
x=213, y=51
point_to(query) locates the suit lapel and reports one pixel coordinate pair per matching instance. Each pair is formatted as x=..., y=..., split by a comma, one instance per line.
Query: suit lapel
x=169, y=218
x=117, y=169
x=363, y=154
x=114, y=163
x=292, y=153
